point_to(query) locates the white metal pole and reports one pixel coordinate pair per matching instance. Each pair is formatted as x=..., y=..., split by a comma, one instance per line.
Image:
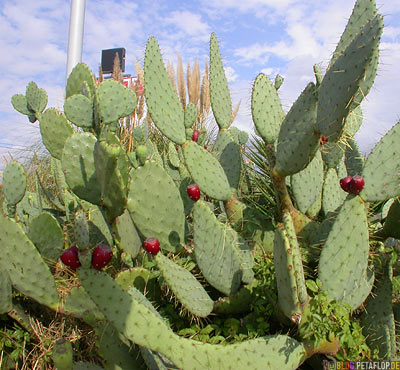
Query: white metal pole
x=75, y=37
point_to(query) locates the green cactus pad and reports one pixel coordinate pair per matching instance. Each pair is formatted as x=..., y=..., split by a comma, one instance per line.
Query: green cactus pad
x=173, y=156
x=278, y=81
x=25, y=267
x=137, y=277
x=185, y=287
x=138, y=324
x=153, y=360
x=62, y=354
x=284, y=274
x=297, y=258
x=35, y=97
x=391, y=226
x=161, y=99
x=99, y=231
x=362, y=290
x=332, y=154
x=85, y=366
x=156, y=206
x=237, y=303
x=55, y=130
x=128, y=237
x=378, y=319
x=130, y=317
x=363, y=12
x=5, y=292
x=79, y=110
x=215, y=250
x=141, y=132
x=59, y=178
x=78, y=163
x=343, y=79
x=115, y=101
x=206, y=171
x=47, y=235
x=81, y=230
x=381, y=172
x=14, y=182
x=353, y=158
x=307, y=184
x=297, y=140
x=77, y=78
x=333, y=195
x=190, y=115
x=111, y=183
x=246, y=258
x=344, y=257
x=220, y=97
x=79, y=304
x=266, y=109
x=227, y=151
x=20, y=104
x=353, y=122
x=116, y=351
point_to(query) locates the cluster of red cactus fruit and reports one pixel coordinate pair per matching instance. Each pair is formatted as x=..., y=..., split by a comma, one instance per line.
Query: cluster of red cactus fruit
x=101, y=256
x=352, y=185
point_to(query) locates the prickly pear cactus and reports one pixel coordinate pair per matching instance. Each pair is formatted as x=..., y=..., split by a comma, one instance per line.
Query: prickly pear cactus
x=252, y=271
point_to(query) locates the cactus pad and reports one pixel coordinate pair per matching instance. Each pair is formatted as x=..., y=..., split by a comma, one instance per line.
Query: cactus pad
x=161, y=99
x=115, y=101
x=333, y=195
x=344, y=257
x=343, y=80
x=55, y=130
x=228, y=154
x=220, y=97
x=266, y=109
x=381, y=172
x=20, y=104
x=14, y=182
x=79, y=110
x=206, y=171
x=307, y=184
x=214, y=250
x=185, y=287
x=297, y=140
x=25, y=267
x=78, y=163
x=47, y=235
x=77, y=78
x=141, y=326
x=128, y=237
x=36, y=98
x=156, y=206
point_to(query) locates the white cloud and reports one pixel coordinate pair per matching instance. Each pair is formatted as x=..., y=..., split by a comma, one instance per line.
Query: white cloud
x=190, y=23
x=230, y=74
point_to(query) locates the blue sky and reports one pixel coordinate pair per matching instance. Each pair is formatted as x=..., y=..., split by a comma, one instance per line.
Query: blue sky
x=270, y=36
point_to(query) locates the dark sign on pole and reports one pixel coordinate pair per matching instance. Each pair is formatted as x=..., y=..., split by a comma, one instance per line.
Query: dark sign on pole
x=107, y=59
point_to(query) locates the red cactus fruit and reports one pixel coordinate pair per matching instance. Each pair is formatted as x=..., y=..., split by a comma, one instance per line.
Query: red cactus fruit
x=152, y=245
x=101, y=256
x=356, y=185
x=193, y=192
x=70, y=257
x=323, y=140
x=205, y=147
x=345, y=183
x=195, y=135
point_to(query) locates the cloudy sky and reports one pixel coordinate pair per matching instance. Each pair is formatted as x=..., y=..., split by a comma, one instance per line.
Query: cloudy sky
x=270, y=36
